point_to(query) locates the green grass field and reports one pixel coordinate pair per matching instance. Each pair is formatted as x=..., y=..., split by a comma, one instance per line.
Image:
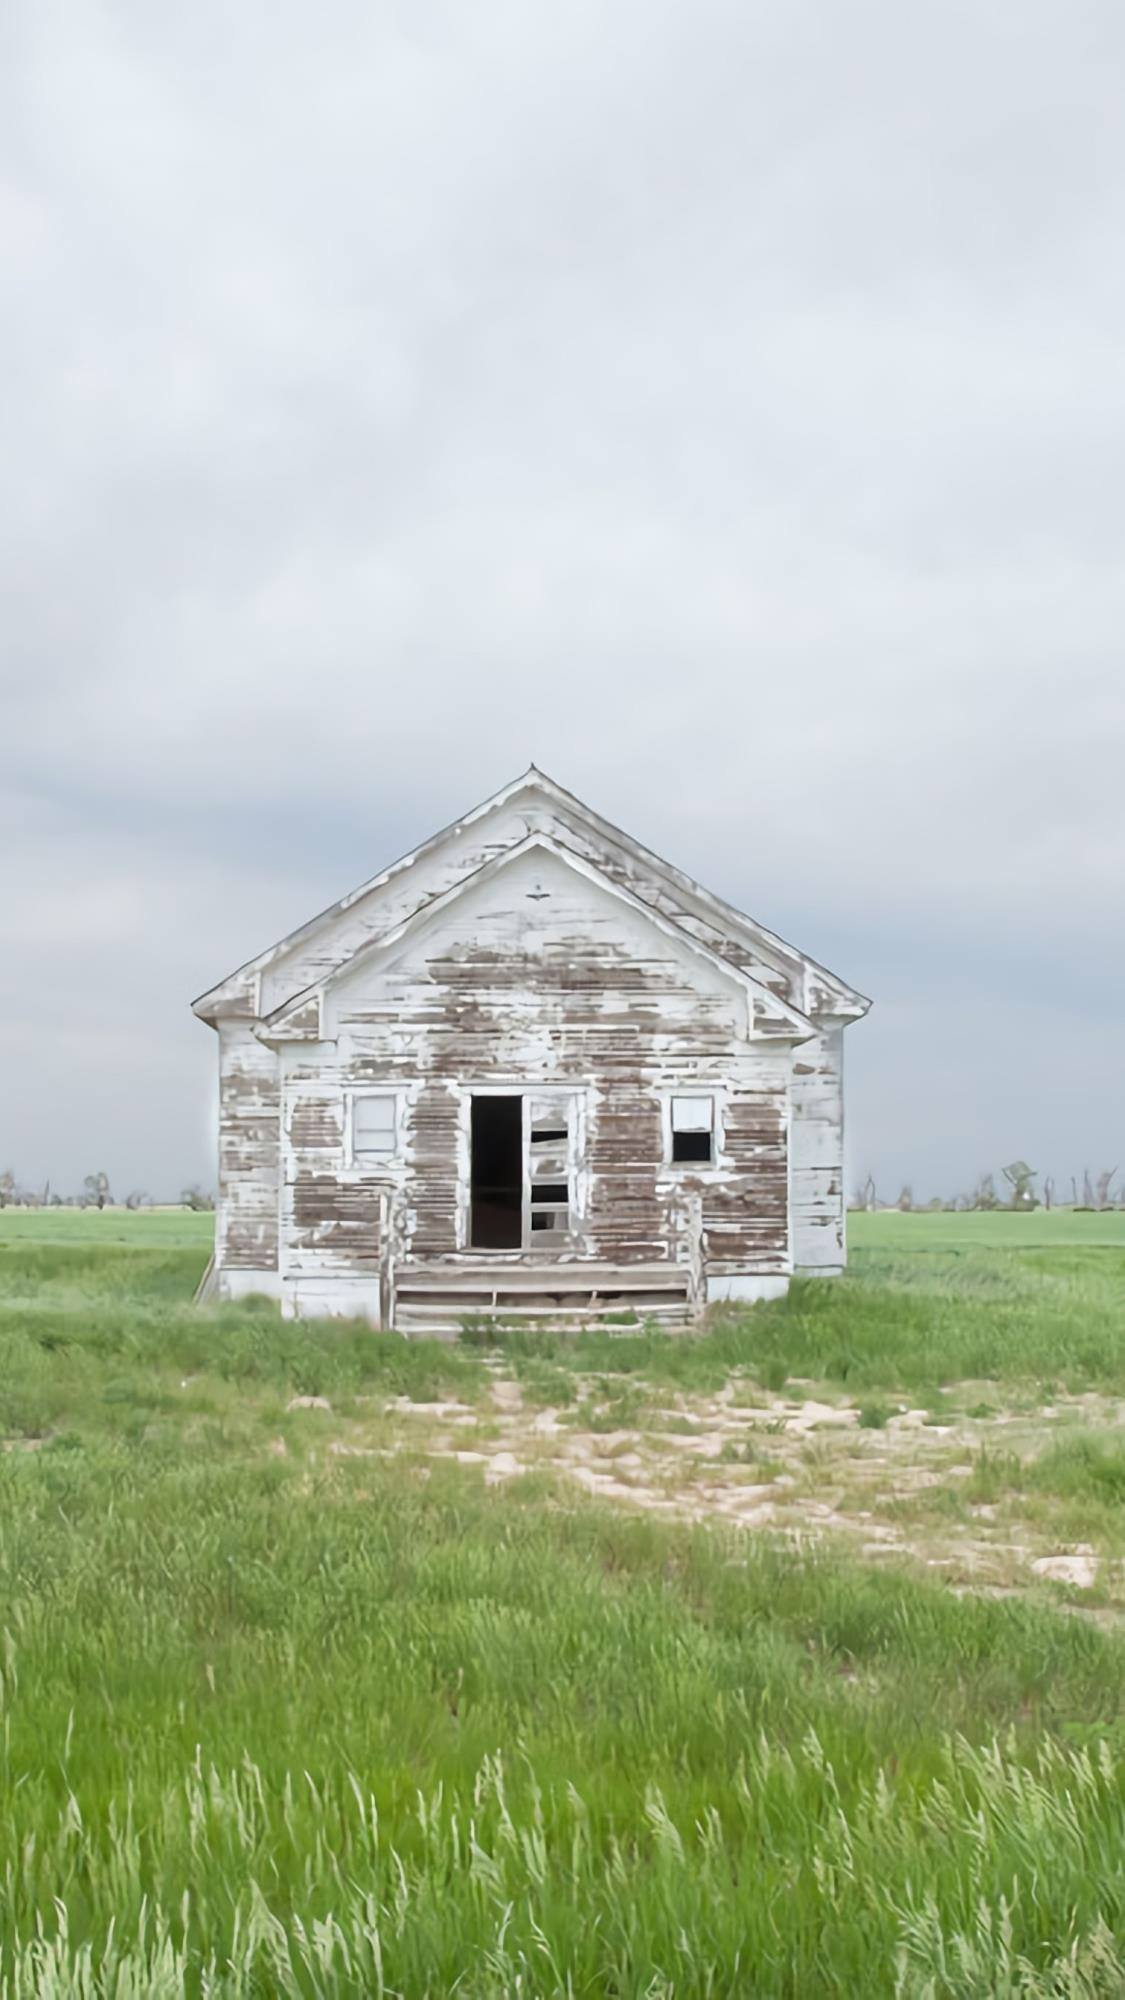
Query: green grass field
x=293, y=1702
x=998, y=1229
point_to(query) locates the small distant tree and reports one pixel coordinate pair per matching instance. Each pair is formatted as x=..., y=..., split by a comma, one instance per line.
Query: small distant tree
x=1048, y=1192
x=136, y=1198
x=1104, y=1188
x=97, y=1190
x=1087, y=1190
x=197, y=1198
x=1019, y=1177
x=906, y=1198
x=7, y=1187
x=984, y=1194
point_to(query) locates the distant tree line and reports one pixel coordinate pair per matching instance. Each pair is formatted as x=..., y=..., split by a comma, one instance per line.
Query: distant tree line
x=1096, y=1192
x=96, y=1193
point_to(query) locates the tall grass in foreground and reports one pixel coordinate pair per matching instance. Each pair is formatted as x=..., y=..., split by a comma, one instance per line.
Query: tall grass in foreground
x=513, y=1889
x=309, y=1725
x=293, y=1727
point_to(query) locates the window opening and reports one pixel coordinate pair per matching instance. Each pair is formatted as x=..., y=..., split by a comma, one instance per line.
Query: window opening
x=693, y=1128
x=496, y=1175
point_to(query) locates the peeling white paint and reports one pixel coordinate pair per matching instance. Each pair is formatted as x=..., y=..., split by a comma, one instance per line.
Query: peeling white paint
x=533, y=950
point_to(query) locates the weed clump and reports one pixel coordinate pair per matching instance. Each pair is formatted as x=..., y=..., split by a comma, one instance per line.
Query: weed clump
x=875, y=1416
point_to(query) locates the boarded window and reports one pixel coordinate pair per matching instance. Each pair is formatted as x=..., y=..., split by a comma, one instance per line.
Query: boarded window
x=693, y=1128
x=373, y=1127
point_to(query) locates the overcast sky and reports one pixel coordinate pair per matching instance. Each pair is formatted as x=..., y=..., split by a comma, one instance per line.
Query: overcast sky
x=720, y=402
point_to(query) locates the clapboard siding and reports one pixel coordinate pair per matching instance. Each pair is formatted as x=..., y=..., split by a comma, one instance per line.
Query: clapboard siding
x=246, y=1222
x=530, y=946
x=817, y=1168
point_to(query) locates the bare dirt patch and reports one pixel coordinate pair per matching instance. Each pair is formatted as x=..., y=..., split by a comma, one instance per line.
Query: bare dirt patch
x=893, y=1483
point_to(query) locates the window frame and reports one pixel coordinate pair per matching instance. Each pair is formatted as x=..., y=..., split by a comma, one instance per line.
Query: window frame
x=371, y=1162
x=671, y=1164
x=575, y=1100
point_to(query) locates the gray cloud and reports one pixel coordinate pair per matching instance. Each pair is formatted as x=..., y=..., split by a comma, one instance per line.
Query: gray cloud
x=721, y=404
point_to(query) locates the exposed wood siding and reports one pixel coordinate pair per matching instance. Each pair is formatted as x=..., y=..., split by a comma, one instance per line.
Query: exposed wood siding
x=568, y=988
x=246, y=1232
x=817, y=1143
x=629, y=1221
x=745, y=1212
x=469, y=848
x=330, y=1216
x=332, y=1224
x=615, y=980
x=433, y=1126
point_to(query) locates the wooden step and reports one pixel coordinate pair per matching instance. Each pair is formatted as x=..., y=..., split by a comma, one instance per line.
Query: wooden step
x=444, y=1310
x=436, y=1322
x=556, y=1296
x=551, y=1278
x=438, y=1298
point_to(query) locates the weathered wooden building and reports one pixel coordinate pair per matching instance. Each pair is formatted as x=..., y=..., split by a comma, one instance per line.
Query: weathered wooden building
x=529, y=1068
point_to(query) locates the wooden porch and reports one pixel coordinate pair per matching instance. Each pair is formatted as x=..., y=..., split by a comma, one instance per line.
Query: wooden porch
x=438, y=1297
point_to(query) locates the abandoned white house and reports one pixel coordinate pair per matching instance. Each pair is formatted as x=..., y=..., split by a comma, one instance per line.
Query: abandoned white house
x=530, y=1068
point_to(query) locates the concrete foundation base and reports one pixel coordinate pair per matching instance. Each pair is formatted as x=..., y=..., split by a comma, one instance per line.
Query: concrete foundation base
x=746, y=1288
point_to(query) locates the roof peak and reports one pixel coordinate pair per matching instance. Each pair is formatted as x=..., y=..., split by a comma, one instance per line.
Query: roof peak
x=720, y=913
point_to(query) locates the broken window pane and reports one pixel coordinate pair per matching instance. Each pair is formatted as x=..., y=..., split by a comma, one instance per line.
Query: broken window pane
x=691, y=1145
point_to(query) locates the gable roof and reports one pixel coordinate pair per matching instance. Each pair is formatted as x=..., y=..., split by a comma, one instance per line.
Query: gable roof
x=299, y=1019
x=735, y=932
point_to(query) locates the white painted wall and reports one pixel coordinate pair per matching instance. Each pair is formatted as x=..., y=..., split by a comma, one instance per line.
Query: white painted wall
x=387, y=1015
x=816, y=1155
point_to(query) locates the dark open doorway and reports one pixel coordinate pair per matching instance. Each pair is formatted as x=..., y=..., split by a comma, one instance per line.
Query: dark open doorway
x=496, y=1216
